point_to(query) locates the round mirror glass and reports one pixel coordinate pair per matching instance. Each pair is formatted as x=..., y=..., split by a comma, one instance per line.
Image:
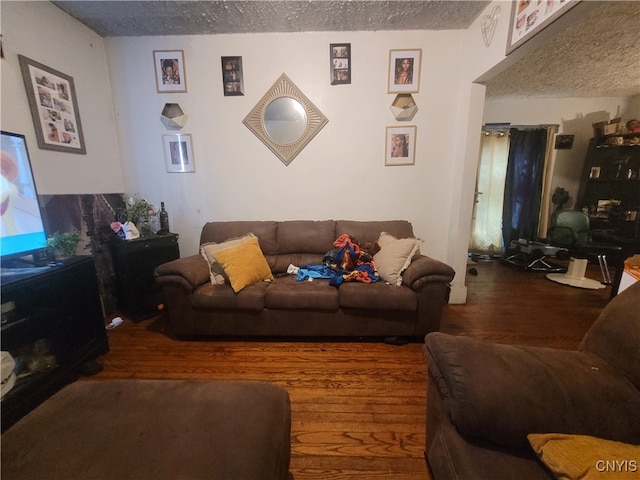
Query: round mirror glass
x=285, y=120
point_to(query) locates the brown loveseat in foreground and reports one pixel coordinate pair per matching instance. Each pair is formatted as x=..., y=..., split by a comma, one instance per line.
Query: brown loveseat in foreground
x=286, y=307
x=484, y=399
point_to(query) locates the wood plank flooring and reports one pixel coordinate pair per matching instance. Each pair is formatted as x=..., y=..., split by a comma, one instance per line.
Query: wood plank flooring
x=358, y=407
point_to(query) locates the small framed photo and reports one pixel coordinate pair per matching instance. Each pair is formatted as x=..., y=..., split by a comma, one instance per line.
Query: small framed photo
x=232, y=82
x=170, y=71
x=340, y=67
x=178, y=153
x=404, y=71
x=595, y=172
x=400, y=146
x=564, y=142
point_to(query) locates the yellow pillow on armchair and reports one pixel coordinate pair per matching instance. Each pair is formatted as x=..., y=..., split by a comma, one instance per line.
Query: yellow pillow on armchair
x=583, y=457
x=244, y=264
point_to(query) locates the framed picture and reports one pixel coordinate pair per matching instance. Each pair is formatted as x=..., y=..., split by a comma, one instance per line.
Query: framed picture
x=595, y=172
x=564, y=142
x=404, y=71
x=232, y=83
x=400, y=146
x=54, y=107
x=171, y=76
x=340, y=67
x=529, y=17
x=178, y=153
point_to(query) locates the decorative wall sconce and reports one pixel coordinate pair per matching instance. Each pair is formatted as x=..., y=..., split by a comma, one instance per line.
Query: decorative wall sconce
x=404, y=107
x=172, y=116
x=285, y=120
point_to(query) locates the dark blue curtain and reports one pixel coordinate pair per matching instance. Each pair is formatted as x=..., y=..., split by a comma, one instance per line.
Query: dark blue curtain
x=523, y=184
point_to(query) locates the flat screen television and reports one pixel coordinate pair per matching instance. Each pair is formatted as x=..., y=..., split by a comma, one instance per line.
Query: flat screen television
x=22, y=230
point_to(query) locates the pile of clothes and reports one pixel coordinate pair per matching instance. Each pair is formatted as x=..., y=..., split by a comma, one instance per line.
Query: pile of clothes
x=347, y=262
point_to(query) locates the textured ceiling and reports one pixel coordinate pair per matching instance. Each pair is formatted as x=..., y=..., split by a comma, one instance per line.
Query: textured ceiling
x=598, y=56
x=176, y=17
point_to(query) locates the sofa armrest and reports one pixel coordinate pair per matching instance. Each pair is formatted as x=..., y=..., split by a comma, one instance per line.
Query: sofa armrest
x=424, y=269
x=502, y=393
x=188, y=272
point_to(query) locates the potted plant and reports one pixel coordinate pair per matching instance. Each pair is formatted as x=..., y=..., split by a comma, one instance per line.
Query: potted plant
x=139, y=212
x=64, y=245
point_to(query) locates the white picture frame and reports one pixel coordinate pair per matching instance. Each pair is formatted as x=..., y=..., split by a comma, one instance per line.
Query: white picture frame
x=178, y=153
x=404, y=71
x=170, y=72
x=530, y=17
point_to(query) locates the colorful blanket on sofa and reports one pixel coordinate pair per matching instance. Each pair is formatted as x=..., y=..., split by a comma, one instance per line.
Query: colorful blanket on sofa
x=345, y=263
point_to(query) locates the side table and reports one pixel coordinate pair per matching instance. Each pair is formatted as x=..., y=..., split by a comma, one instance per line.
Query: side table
x=134, y=262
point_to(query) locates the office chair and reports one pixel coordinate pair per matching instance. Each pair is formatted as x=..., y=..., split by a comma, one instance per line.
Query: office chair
x=570, y=229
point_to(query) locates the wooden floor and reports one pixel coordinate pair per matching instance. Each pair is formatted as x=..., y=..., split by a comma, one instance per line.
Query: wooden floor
x=358, y=408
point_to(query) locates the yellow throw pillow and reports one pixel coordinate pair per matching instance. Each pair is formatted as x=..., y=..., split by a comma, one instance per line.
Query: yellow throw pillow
x=586, y=458
x=244, y=264
x=216, y=273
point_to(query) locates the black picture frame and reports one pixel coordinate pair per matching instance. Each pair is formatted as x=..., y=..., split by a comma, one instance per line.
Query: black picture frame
x=340, y=63
x=55, y=109
x=564, y=142
x=232, y=78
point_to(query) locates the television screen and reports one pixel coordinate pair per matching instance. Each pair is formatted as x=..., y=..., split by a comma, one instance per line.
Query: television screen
x=21, y=227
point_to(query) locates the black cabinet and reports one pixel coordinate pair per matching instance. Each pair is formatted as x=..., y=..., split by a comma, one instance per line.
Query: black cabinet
x=610, y=189
x=52, y=324
x=134, y=262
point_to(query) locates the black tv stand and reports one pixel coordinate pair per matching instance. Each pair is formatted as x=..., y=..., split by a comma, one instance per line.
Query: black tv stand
x=13, y=273
x=26, y=261
x=52, y=325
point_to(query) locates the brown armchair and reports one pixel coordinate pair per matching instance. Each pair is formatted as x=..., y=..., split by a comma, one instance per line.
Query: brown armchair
x=484, y=398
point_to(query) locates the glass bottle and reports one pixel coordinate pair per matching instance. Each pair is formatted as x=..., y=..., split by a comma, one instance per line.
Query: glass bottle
x=164, y=219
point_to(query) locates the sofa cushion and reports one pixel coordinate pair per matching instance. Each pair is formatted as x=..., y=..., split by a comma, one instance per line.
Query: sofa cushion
x=222, y=231
x=243, y=263
x=394, y=257
x=280, y=263
x=302, y=236
x=378, y=296
x=222, y=297
x=287, y=293
x=216, y=272
x=582, y=457
x=504, y=392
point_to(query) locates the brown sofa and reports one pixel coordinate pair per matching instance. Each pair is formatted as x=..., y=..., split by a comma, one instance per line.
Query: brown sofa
x=287, y=307
x=483, y=399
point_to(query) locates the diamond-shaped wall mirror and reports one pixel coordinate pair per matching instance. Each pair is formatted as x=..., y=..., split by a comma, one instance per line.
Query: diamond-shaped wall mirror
x=285, y=120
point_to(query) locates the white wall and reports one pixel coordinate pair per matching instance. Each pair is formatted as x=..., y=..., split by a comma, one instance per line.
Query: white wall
x=42, y=32
x=476, y=58
x=340, y=174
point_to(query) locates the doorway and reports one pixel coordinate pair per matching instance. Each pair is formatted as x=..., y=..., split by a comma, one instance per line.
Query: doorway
x=513, y=187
